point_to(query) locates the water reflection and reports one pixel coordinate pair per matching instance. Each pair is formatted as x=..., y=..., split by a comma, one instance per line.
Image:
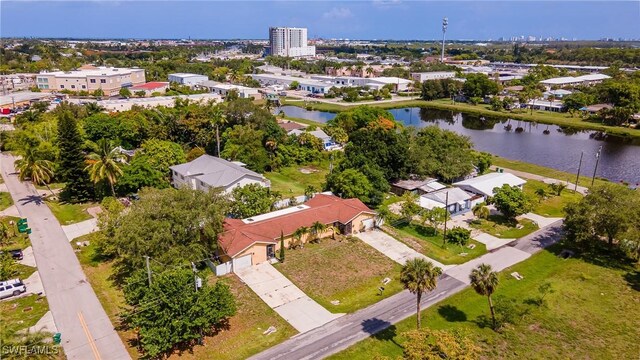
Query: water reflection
x=547, y=145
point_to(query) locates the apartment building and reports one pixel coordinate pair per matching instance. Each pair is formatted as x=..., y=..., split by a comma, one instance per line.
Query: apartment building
x=91, y=78
x=290, y=42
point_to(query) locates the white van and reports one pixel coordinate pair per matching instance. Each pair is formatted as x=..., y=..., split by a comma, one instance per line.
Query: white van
x=12, y=287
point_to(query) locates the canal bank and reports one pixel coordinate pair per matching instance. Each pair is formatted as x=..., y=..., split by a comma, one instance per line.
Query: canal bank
x=549, y=146
x=542, y=117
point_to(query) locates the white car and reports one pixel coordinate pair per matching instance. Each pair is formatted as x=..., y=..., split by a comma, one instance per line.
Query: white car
x=12, y=287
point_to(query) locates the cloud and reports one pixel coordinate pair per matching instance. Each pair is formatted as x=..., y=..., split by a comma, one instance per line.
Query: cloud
x=338, y=13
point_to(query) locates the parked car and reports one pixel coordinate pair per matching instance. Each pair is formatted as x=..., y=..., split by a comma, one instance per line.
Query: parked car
x=15, y=254
x=13, y=287
x=282, y=93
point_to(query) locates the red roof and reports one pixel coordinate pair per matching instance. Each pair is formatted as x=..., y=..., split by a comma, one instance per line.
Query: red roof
x=327, y=209
x=150, y=86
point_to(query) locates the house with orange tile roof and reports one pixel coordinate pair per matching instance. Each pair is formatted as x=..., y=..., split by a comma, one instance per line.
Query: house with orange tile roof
x=257, y=239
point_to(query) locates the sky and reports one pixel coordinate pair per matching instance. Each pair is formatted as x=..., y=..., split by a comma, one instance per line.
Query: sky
x=376, y=19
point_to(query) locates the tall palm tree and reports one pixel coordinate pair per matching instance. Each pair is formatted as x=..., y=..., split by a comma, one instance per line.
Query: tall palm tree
x=419, y=276
x=485, y=281
x=105, y=164
x=218, y=118
x=39, y=171
x=300, y=233
x=369, y=71
x=317, y=228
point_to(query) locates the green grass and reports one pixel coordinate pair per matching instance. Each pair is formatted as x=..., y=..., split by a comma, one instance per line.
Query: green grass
x=592, y=314
x=14, y=314
x=290, y=181
x=18, y=240
x=335, y=108
x=349, y=271
x=422, y=240
x=544, y=171
x=552, y=205
x=24, y=271
x=52, y=186
x=243, y=338
x=5, y=200
x=70, y=213
x=501, y=227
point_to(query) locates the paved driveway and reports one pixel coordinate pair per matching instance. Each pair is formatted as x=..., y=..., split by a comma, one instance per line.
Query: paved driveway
x=499, y=260
x=394, y=249
x=540, y=220
x=82, y=228
x=285, y=298
x=490, y=241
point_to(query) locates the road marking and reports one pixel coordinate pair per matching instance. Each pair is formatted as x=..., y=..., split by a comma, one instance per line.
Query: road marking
x=94, y=348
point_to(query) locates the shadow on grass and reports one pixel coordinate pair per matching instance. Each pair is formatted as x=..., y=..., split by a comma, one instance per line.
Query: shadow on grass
x=380, y=330
x=633, y=279
x=595, y=252
x=452, y=313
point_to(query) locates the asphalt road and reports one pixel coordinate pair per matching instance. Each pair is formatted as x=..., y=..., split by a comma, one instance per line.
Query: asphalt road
x=339, y=334
x=87, y=332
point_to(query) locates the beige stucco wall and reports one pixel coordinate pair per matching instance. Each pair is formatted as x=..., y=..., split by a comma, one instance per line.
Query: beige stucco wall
x=357, y=225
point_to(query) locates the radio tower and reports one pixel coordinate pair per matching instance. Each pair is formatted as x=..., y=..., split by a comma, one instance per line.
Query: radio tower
x=445, y=22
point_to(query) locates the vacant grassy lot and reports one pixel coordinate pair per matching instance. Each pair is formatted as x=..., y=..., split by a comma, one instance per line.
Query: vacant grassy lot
x=422, y=240
x=5, y=200
x=349, y=271
x=17, y=240
x=592, y=314
x=553, y=205
x=499, y=226
x=543, y=171
x=70, y=213
x=292, y=180
x=243, y=338
x=24, y=312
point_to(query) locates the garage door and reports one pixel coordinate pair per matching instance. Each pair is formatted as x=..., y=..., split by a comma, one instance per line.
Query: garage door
x=368, y=224
x=241, y=262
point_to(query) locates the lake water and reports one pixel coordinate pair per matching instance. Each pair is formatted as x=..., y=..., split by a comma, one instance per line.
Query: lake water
x=559, y=149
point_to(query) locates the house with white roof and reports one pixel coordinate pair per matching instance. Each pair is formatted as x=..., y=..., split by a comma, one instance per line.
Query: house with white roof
x=484, y=184
x=327, y=141
x=208, y=172
x=455, y=200
x=223, y=89
x=589, y=79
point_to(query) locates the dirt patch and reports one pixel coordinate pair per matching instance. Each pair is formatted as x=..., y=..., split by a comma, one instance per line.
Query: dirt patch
x=308, y=170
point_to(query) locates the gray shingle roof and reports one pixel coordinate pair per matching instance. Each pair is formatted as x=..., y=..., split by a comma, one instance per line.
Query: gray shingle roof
x=214, y=171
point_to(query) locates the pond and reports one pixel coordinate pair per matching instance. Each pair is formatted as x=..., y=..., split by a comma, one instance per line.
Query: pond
x=546, y=145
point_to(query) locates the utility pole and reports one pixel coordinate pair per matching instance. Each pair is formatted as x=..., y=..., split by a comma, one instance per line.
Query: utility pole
x=195, y=277
x=446, y=216
x=593, y=179
x=579, y=166
x=445, y=23
x=148, y=269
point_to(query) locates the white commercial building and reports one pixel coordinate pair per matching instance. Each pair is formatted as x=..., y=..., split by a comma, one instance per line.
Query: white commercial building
x=187, y=79
x=223, y=89
x=151, y=102
x=289, y=42
x=589, y=79
x=90, y=78
x=398, y=84
x=313, y=86
x=434, y=75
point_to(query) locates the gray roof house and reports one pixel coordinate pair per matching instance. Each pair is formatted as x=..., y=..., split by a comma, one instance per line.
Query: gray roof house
x=327, y=141
x=207, y=172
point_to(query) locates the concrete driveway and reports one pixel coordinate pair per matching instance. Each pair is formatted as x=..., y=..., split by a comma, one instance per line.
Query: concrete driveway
x=299, y=310
x=499, y=260
x=82, y=228
x=394, y=249
x=490, y=241
x=540, y=220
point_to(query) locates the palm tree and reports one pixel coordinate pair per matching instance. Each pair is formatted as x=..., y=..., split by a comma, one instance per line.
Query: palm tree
x=6, y=233
x=299, y=234
x=334, y=231
x=481, y=211
x=485, y=281
x=383, y=214
x=218, y=118
x=317, y=228
x=541, y=193
x=369, y=71
x=105, y=164
x=93, y=108
x=419, y=276
x=39, y=171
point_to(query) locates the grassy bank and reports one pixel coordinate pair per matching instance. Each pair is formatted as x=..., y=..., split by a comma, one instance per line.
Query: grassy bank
x=544, y=117
x=592, y=314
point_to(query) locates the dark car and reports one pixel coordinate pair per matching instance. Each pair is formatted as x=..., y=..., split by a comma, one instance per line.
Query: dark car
x=16, y=254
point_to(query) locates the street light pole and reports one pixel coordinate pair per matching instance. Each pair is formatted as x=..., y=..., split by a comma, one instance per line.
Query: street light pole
x=579, y=166
x=445, y=23
x=593, y=179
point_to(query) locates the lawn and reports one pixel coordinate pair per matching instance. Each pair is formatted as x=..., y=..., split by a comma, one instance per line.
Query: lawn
x=18, y=240
x=544, y=171
x=552, y=205
x=15, y=314
x=592, y=314
x=5, y=200
x=501, y=227
x=243, y=339
x=422, y=240
x=349, y=271
x=291, y=181
x=70, y=213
